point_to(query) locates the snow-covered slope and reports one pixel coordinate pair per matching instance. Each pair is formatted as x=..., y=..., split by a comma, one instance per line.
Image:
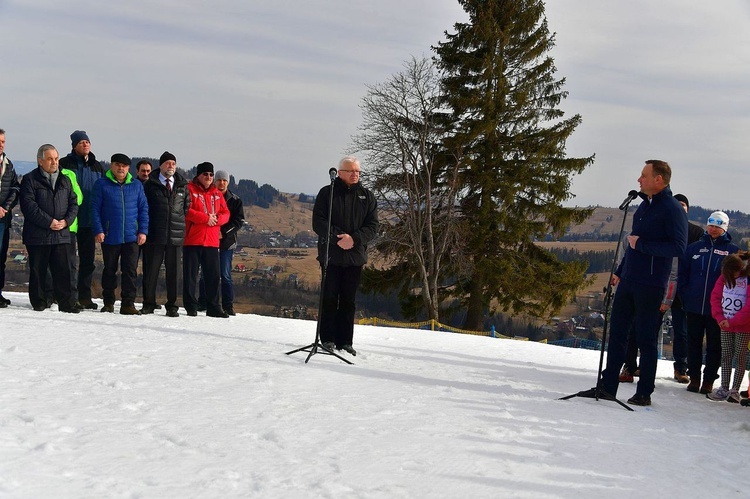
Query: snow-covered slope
x=101, y=405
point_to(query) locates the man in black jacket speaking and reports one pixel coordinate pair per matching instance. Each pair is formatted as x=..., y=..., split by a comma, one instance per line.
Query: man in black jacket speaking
x=354, y=223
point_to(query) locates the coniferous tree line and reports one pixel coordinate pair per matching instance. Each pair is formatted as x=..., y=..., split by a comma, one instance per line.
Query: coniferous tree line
x=598, y=261
x=248, y=191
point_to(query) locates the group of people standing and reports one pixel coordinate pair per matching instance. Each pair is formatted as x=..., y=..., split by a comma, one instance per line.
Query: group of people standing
x=701, y=275
x=70, y=204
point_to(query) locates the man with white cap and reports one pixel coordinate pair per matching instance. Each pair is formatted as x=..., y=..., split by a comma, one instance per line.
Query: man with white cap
x=699, y=269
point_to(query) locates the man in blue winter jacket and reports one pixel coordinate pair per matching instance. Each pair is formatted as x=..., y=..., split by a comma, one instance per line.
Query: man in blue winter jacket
x=659, y=234
x=88, y=170
x=119, y=221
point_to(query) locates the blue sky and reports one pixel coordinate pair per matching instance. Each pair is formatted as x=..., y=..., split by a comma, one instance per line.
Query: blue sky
x=271, y=90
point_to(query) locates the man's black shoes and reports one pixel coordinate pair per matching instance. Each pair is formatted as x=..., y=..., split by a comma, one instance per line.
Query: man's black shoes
x=88, y=304
x=129, y=310
x=638, y=399
x=592, y=394
x=349, y=349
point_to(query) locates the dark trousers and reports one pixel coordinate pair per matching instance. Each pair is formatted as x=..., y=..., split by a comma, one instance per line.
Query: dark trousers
x=635, y=306
x=4, y=242
x=631, y=354
x=679, y=338
x=337, y=315
x=227, y=286
x=697, y=326
x=49, y=292
x=153, y=256
x=126, y=257
x=86, y=267
x=195, y=259
x=54, y=257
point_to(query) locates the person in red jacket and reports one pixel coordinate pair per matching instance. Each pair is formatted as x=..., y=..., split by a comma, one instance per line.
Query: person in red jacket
x=731, y=310
x=208, y=212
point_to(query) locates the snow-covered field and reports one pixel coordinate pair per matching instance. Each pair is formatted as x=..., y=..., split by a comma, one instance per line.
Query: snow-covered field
x=100, y=405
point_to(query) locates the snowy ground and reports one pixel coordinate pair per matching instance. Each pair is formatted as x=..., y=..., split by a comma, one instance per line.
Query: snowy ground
x=99, y=405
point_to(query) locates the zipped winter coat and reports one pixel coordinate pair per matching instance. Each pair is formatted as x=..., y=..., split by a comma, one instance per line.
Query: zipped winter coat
x=236, y=221
x=740, y=323
x=9, y=187
x=87, y=173
x=166, y=214
x=354, y=212
x=119, y=211
x=40, y=204
x=661, y=227
x=699, y=269
x=204, y=202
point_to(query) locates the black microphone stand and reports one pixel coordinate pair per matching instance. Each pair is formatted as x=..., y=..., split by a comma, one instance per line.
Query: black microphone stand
x=317, y=346
x=598, y=392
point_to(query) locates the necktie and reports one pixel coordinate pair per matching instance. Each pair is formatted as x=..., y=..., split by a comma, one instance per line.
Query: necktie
x=169, y=186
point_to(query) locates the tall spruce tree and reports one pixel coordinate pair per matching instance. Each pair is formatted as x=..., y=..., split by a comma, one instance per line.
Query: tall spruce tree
x=499, y=84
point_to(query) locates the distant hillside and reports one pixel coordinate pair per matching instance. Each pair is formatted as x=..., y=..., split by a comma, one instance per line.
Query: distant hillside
x=23, y=167
x=604, y=224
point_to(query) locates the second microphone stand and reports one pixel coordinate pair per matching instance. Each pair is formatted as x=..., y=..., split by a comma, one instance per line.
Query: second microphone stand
x=598, y=392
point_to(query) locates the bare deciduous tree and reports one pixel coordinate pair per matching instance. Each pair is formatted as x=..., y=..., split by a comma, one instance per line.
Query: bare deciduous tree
x=415, y=180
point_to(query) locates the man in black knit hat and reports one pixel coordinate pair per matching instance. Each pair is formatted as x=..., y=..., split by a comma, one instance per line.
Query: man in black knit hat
x=88, y=170
x=166, y=192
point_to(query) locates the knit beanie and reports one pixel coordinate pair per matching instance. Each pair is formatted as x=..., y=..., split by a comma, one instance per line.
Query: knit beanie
x=683, y=199
x=205, y=167
x=221, y=175
x=166, y=157
x=78, y=136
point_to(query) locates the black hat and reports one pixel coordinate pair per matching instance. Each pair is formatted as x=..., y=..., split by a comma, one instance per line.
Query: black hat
x=166, y=157
x=682, y=198
x=205, y=167
x=78, y=136
x=120, y=158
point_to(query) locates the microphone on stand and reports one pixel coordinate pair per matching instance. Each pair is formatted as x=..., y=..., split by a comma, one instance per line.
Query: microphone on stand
x=631, y=196
x=332, y=173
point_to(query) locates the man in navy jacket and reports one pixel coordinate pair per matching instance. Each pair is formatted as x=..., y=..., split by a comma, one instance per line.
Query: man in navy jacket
x=659, y=234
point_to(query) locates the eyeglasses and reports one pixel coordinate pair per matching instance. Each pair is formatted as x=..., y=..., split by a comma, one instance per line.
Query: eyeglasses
x=207, y=174
x=356, y=172
x=716, y=221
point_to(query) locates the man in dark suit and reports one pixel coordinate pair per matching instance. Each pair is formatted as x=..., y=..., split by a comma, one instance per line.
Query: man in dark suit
x=168, y=202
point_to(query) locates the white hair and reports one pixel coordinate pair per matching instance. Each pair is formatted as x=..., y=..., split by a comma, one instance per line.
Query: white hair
x=349, y=160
